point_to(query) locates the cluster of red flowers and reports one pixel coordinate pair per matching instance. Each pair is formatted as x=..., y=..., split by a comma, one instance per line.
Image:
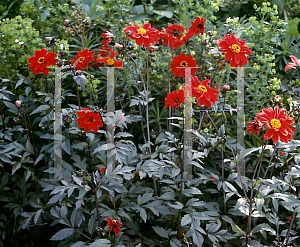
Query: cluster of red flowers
x=114, y=225
x=201, y=91
x=173, y=36
x=276, y=121
x=89, y=120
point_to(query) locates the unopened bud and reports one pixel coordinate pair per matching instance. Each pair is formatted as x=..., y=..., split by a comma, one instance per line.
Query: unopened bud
x=128, y=33
x=226, y=88
x=118, y=46
x=210, y=33
x=67, y=23
x=18, y=103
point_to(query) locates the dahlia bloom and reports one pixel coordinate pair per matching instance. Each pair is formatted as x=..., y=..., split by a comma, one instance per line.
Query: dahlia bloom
x=278, y=124
x=143, y=35
x=235, y=50
x=197, y=26
x=114, y=225
x=174, y=99
x=89, y=120
x=204, y=93
x=84, y=58
x=255, y=127
x=295, y=63
x=110, y=60
x=182, y=61
x=41, y=61
x=175, y=30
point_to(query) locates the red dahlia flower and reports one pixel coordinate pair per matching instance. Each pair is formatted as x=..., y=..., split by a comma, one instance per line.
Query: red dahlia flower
x=180, y=40
x=278, y=123
x=84, y=58
x=110, y=60
x=174, y=99
x=295, y=63
x=235, y=50
x=167, y=38
x=255, y=127
x=182, y=61
x=41, y=61
x=143, y=35
x=204, y=93
x=114, y=225
x=89, y=120
x=175, y=30
x=197, y=26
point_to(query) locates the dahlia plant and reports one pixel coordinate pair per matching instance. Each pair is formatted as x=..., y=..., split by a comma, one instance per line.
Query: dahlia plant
x=128, y=178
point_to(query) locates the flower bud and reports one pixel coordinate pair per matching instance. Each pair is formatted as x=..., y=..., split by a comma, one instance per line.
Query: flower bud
x=204, y=42
x=128, y=33
x=133, y=55
x=67, y=23
x=63, y=53
x=210, y=33
x=18, y=103
x=118, y=46
x=230, y=31
x=226, y=88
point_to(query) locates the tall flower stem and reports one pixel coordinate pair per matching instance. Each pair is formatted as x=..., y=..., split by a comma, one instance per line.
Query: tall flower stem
x=2, y=116
x=291, y=225
x=31, y=146
x=252, y=197
x=78, y=97
x=94, y=189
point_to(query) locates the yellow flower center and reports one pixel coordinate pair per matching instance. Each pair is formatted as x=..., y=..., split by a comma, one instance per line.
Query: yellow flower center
x=236, y=48
x=202, y=89
x=142, y=31
x=110, y=61
x=275, y=123
x=184, y=64
x=81, y=60
x=182, y=38
x=41, y=60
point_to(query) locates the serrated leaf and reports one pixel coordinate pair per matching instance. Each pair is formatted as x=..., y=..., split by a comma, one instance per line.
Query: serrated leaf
x=40, y=108
x=63, y=234
x=160, y=231
x=186, y=220
x=101, y=242
x=143, y=214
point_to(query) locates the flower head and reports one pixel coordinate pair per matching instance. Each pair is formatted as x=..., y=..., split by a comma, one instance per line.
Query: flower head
x=235, y=50
x=114, y=225
x=174, y=99
x=107, y=37
x=175, y=30
x=83, y=58
x=182, y=61
x=41, y=61
x=295, y=63
x=197, y=26
x=278, y=124
x=110, y=60
x=204, y=93
x=89, y=120
x=255, y=127
x=142, y=35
